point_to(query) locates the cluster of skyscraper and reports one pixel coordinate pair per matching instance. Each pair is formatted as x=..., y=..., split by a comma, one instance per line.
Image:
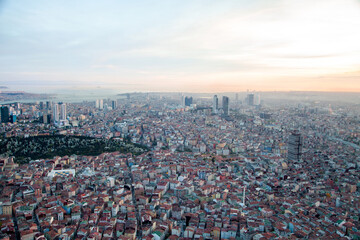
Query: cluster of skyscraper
x=59, y=114
x=45, y=108
x=225, y=105
x=99, y=104
x=186, y=101
x=9, y=113
x=253, y=99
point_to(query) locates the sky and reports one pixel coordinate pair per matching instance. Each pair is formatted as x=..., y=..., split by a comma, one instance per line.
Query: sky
x=180, y=45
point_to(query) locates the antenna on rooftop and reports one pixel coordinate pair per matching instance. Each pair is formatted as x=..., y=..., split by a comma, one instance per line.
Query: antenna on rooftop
x=244, y=196
x=243, y=201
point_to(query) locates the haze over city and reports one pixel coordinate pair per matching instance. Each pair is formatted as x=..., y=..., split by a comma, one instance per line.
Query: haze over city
x=179, y=120
x=194, y=46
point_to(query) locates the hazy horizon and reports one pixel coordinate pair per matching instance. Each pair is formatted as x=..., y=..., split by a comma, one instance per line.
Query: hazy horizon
x=180, y=46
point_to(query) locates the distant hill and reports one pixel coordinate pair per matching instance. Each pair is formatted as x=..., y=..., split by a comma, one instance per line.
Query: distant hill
x=14, y=96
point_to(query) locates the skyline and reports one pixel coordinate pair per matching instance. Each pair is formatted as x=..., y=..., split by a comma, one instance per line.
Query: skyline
x=180, y=45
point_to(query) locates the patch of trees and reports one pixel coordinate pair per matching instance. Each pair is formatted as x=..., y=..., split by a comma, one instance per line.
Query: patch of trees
x=42, y=147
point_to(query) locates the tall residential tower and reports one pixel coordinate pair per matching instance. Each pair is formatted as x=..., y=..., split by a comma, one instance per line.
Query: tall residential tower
x=215, y=104
x=56, y=115
x=5, y=114
x=225, y=104
x=295, y=144
x=62, y=111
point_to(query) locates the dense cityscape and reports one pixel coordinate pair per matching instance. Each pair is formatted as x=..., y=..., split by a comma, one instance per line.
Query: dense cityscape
x=179, y=120
x=157, y=166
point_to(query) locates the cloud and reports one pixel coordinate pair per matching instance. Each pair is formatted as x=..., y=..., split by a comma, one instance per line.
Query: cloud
x=180, y=44
x=109, y=66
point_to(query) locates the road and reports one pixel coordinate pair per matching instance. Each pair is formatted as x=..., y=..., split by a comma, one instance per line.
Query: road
x=138, y=218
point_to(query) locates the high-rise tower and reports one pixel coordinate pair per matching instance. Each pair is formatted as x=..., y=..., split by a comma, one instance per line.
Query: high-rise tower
x=114, y=104
x=56, y=115
x=5, y=114
x=48, y=105
x=295, y=144
x=101, y=104
x=215, y=104
x=250, y=99
x=225, y=104
x=62, y=111
x=188, y=101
